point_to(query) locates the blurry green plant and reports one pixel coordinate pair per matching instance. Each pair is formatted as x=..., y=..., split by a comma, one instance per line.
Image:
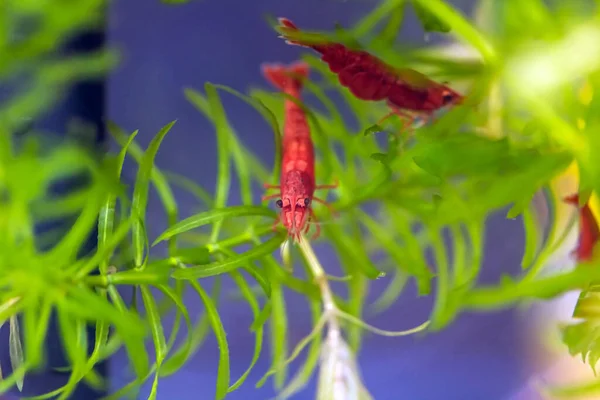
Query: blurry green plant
x=456, y=172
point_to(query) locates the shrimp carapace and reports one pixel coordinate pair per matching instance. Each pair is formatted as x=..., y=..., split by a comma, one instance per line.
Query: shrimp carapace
x=297, y=182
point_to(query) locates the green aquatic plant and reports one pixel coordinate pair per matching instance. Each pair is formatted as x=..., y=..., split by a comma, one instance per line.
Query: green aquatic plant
x=517, y=131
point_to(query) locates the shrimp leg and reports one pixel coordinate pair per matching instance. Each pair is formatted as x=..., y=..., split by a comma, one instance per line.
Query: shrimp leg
x=271, y=196
x=400, y=113
x=332, y=186
x=307, y=227
x=317, y=227
x=326, y=204
x=269, y=186
x=407, y=118
x=276, y=223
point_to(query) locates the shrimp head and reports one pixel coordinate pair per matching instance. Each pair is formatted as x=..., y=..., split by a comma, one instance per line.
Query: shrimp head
x=296, y=197
x=442, y=97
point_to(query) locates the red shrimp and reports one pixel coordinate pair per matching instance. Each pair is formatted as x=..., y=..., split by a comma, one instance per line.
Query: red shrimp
x=409, y=93
x=297, y=184
x=589, y=233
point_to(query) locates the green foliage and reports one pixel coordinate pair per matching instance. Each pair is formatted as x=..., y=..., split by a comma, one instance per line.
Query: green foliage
x=448, y=178
x=31, y=33
x=430, y=22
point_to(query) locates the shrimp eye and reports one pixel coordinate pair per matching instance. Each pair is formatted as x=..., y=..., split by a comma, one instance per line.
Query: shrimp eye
x=279, y=203
x=447, y=97
x=307, y=202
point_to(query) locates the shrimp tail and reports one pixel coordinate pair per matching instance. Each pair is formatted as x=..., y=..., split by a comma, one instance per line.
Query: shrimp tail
x=286, y=77
x=367, y=77
x=285, y=25
x=288, y=29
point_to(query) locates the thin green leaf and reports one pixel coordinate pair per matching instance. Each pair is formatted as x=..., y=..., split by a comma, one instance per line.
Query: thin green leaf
x=67, y=248
x=262, y=317
x=158, y=336
x=532, y=237
x=509, y=292
x=231, y=263
x=105, y=228
x=268, y=115
x=310, y=364
x=390, y=32
x=191, y=187
x=405, y=258
x=130, y=328
x=157, y=177
x=368, y=23
x=224, y=165
x=298, y=349
x=445, y=14
x=154, y=321
x=182, y=354
x=279, y=325
x=440, y=314
x=352, y=319
x=103, y=251
x=253, y=302
x=192, y=255
x=213, y=216
x=107, y=212
x=430, y=22
x=140, y=193
x=221, y=336
x=391, y=292
x=75, y=354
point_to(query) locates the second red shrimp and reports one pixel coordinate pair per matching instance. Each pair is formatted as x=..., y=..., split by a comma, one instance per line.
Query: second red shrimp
x=407, y=92
x=297, y=183
x=589, y=232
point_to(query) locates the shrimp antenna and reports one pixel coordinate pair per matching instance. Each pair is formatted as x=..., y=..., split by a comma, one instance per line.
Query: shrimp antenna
x=271, y=20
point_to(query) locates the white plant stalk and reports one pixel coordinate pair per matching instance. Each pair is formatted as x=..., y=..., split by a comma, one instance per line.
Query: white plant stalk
x=16, y=350
x=339, y=376
x=14, y=342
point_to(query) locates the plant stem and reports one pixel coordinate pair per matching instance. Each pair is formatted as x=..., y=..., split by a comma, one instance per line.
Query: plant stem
x=96, y=280
x=321, y=280
x=6, y=306
x=339, y=378
x=334, y=334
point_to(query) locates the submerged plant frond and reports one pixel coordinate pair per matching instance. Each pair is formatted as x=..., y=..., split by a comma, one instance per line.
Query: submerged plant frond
x=523, y=124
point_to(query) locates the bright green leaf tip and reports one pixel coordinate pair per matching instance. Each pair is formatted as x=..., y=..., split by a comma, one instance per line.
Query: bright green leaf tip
x=373, y=129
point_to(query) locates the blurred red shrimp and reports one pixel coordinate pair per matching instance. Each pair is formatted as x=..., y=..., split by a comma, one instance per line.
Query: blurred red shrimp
x=297, y=184
x=589, y=232
x=409, y=93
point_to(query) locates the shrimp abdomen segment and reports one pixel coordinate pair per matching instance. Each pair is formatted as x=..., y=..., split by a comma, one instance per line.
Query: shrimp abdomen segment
x=298, y=156
x=364, y=75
